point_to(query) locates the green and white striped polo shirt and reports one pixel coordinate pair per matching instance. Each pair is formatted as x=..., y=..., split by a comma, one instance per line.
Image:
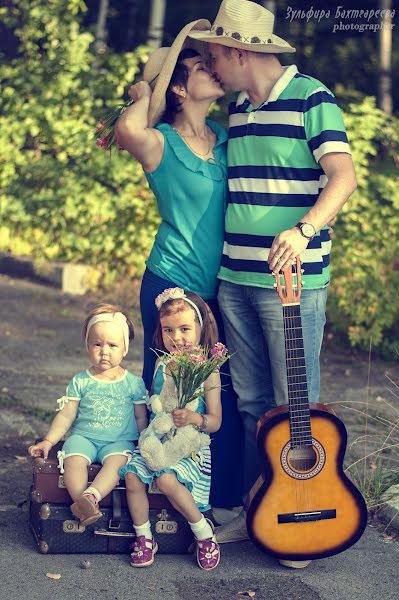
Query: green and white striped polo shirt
x=275, y=176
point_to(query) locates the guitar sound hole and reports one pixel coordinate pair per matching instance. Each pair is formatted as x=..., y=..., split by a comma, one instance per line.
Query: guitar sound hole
x=302, y=458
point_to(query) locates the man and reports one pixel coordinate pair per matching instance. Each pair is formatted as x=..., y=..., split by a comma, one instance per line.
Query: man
x=290, y=172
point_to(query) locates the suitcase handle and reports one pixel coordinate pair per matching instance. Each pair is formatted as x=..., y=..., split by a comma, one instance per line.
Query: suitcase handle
x=106, y=533
x=115, y=520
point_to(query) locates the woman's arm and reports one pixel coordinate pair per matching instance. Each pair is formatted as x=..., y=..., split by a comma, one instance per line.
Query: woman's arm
x=60, y=425
x=132, y=133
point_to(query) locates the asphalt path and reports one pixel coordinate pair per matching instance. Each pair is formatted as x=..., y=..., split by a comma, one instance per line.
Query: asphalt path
x=367, y=571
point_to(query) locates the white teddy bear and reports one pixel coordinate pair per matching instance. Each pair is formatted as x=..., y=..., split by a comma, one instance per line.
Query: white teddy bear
x=162, y=444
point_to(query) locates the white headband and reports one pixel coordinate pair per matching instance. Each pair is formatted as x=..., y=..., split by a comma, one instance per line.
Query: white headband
x=177, y=294
x=117, y=318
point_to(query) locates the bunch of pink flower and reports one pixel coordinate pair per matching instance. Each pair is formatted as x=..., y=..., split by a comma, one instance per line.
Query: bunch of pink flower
x=219, y=351
x=190, y=366
x=105, y=129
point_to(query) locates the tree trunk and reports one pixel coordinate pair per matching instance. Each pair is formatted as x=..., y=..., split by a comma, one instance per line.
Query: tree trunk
x=270, y=5
x=101, y=28
x=385, y=58
x=157, y=21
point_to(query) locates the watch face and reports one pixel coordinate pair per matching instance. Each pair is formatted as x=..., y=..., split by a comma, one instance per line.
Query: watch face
x=308, y=230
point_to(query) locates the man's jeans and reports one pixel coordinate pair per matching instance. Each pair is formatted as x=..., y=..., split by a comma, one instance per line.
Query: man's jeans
x=253, y=321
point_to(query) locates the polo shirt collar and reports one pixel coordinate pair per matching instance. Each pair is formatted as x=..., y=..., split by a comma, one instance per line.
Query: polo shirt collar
x=288, y=74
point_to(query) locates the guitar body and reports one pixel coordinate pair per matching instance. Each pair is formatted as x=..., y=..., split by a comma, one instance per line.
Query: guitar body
x=306, y=507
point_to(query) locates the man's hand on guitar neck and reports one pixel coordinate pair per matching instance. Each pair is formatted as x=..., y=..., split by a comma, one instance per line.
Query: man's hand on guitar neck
x=286, y=246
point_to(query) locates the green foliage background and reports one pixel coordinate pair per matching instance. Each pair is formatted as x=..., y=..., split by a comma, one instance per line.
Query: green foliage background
x=64, y=199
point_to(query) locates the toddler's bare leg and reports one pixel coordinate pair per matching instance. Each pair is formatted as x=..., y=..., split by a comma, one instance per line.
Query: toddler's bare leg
x=179, y=496
x=108, y=477
x=137, y=499
x=75, y=475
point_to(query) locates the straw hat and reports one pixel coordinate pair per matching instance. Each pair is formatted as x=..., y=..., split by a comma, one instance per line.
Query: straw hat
x=246, y=25
x=161, y=64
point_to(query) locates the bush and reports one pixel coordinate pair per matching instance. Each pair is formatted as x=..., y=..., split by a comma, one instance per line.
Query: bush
x=63, y=198
x=363, y=301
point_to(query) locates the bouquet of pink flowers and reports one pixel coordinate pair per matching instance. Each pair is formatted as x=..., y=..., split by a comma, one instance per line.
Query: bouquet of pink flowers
x=191, y=366
x=105, y=134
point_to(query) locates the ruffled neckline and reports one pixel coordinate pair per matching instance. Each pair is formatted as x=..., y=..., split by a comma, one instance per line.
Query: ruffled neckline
x=211, y=168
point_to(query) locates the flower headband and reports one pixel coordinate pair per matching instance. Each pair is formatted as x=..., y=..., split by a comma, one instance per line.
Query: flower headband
x=177, y=294
x=118, y=319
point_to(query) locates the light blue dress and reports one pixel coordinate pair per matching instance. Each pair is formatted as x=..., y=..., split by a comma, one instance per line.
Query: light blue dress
x=106, y=410
x=194, y=472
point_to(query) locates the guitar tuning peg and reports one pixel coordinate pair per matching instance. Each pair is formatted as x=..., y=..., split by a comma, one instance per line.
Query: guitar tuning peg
x=274, y=285
x=302, y=271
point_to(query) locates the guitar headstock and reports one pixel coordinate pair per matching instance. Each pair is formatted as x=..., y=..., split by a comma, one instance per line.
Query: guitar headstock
x=289, y=283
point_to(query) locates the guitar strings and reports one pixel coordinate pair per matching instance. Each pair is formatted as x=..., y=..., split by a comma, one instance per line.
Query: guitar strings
x=297, y=392
x=300, y=429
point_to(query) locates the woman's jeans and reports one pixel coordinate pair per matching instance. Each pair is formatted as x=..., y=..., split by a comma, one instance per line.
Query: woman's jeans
x=254, y=329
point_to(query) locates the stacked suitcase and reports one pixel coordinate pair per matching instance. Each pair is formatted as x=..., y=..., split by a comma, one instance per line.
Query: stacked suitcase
x=57, y=531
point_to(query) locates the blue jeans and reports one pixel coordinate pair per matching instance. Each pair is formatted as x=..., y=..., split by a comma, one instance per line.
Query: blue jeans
x=253, y=323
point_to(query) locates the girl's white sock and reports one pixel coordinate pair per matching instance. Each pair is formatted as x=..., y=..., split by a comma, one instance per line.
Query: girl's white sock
x=202, y=529
x=144, y=529
x=94, y=492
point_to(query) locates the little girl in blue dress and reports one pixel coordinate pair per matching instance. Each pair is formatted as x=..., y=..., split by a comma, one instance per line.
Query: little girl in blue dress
x=184, y=318
x=104, y=410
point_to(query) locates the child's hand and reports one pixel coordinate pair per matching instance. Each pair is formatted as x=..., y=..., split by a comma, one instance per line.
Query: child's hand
x=182, y=416
x=40, y=449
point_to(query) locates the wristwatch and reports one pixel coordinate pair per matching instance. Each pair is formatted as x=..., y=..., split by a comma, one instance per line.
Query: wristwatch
x=307, y=230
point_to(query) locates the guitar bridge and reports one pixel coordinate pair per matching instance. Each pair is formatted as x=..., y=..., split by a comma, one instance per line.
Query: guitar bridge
x=305, y=517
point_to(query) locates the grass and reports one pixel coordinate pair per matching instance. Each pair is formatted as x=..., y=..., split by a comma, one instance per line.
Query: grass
x=377, y=467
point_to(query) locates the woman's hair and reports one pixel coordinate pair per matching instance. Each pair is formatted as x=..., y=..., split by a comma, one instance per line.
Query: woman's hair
x=107, y=308
x=179, y=77
x=209, y=329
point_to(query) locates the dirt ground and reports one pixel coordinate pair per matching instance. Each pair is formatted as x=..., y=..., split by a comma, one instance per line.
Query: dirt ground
x=42, y=348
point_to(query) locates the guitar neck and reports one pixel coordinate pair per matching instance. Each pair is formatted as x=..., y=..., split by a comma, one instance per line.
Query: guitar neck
x=298, y=399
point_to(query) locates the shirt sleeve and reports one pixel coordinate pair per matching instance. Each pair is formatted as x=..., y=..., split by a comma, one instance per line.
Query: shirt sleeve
x=73, y=391
x=324, y=125
x=140, y=394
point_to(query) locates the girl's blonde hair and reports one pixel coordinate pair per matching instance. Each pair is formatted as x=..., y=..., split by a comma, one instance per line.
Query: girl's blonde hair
x=209, y=329
x=107, y=308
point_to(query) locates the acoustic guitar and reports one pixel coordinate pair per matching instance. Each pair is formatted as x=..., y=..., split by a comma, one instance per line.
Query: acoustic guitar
x=303, y=506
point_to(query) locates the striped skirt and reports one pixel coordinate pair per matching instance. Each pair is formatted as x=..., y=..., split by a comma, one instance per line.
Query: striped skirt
x=194, y=472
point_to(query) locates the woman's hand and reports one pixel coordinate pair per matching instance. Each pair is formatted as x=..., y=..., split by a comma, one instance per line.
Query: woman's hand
x=139, y=90
x=40, y=449
x=183, y=416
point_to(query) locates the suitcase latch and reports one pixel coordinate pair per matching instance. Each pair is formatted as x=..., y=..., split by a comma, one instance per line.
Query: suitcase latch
x=163, y=525
x=71, y=526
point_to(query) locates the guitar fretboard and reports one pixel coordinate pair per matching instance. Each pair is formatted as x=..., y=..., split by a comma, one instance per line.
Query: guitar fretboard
x=298, y=399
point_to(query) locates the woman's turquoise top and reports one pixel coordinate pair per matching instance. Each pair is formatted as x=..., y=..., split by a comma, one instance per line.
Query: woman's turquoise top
x=192, y=195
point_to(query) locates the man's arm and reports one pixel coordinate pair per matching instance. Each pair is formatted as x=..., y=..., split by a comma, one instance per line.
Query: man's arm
x=340, y=171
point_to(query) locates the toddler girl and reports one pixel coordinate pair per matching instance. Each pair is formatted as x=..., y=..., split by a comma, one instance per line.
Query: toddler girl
x=183, y=318
x=105, y=409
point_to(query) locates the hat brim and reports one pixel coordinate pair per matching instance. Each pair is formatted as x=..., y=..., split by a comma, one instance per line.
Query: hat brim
x=276, y=46
x=182, y=41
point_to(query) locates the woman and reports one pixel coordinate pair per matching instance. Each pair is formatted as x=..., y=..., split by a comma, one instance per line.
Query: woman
x=183, y=155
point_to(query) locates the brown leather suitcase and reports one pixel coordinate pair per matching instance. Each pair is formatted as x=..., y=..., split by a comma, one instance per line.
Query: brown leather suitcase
x=48, y=484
